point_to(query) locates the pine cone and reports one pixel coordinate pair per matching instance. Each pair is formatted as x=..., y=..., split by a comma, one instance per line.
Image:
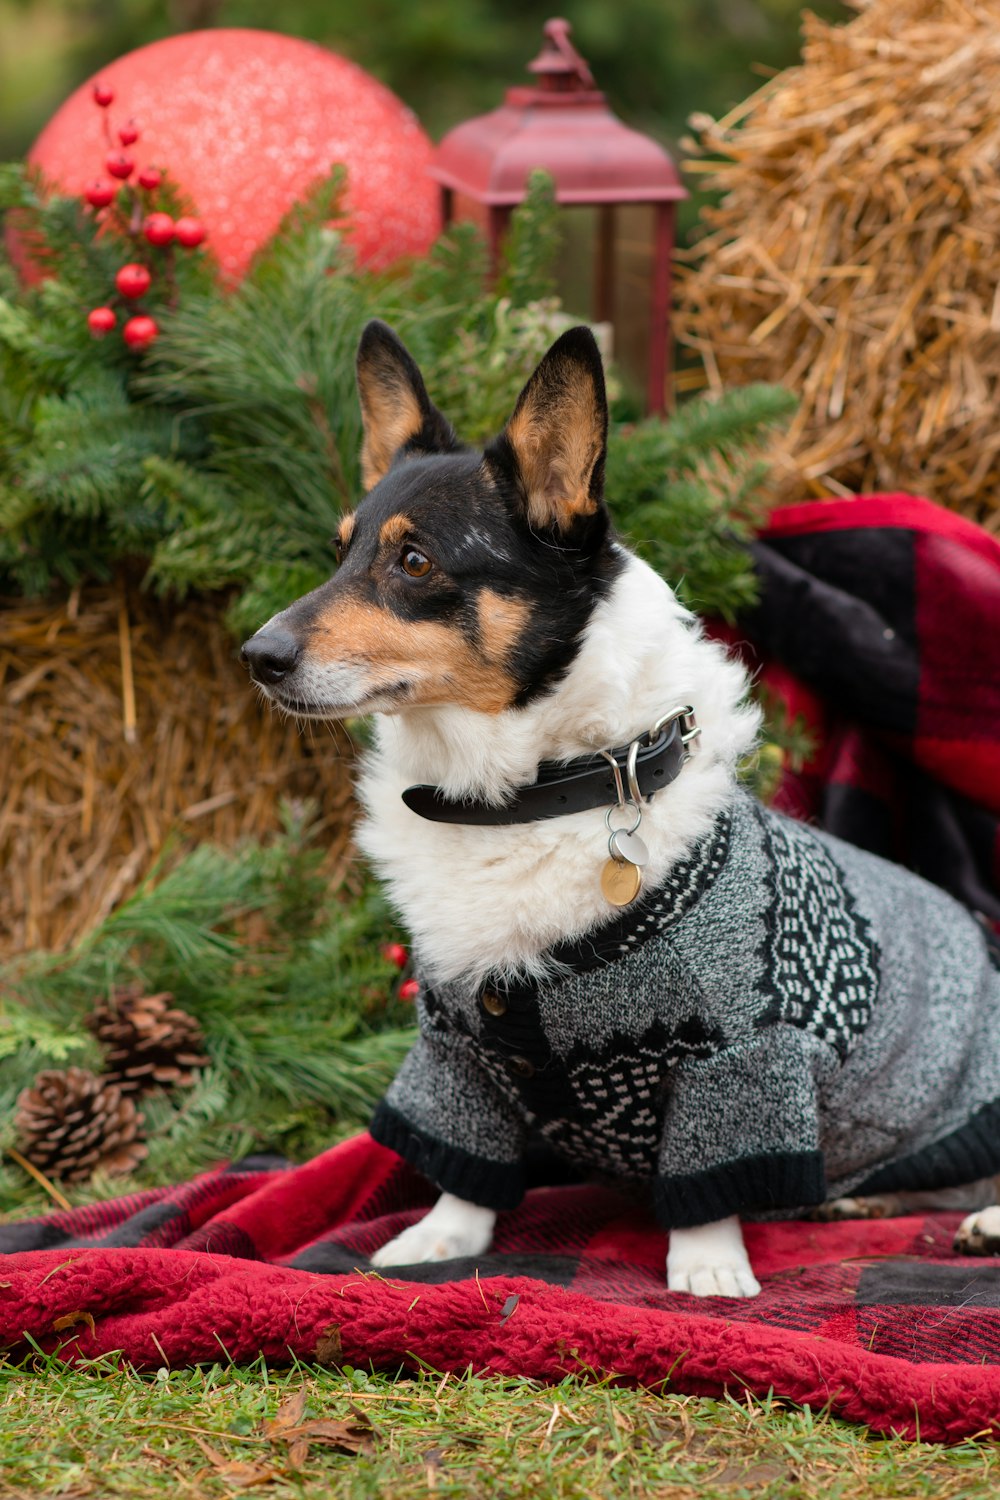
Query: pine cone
x=71, y=1123
x=147, y=1044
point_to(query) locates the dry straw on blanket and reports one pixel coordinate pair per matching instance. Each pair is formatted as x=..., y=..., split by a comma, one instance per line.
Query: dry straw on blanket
x=123, y=722
x=855, y=255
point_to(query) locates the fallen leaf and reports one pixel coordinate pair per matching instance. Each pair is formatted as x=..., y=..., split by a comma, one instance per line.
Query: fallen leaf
x=289, y=1415
x=329, y=1350
x=510, y=1307
x=298, y=1452
x=350, y=1436
x=70, y=1320
x=236, y=1470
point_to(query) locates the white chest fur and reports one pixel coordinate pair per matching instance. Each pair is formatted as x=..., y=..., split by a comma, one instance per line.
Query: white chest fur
x=482, y=899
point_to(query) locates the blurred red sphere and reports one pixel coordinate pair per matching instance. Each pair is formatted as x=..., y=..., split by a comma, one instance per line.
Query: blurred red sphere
x=140, y=331
x=245, y=121
x=128, y=134
x=133, y=280
x=103, y=95
x=409, y=989
x=101, y=320
x=189, y=232
x=119, y=165
x=100, y=193
x=395, y=953
x=159, y=229
x=150, y=179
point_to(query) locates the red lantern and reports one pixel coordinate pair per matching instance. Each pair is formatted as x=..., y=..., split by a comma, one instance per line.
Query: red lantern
x=564, y=126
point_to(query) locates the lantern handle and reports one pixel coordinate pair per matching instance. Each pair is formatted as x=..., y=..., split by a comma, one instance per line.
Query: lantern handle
x=559, y=56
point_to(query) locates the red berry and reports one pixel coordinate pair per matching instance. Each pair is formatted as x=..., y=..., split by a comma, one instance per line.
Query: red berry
x=101, y=320
x=100, y=193
x=158, y=229
x=395, y=953
x=103, y=95
x=409, y=989
x=129, y=134
x=138, y=332
x=119, y=165
x=133, y=280
x=150, y=179
x=189, y=232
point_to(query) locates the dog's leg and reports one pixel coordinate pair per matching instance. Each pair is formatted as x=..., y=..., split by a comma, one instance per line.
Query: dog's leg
x=452, y=1228
x=710, y=1261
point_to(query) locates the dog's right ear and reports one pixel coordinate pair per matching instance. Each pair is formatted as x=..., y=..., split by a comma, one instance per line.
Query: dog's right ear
x=396, y=411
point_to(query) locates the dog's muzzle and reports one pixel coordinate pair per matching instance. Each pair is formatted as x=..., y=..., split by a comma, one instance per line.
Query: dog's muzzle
x=270, y=655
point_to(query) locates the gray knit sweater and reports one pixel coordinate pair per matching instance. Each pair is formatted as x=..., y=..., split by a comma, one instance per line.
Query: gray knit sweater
x=786, y=1019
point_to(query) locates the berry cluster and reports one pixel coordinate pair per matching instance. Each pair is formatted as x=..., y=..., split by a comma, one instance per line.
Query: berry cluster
x=127, y=206
x=396, y=954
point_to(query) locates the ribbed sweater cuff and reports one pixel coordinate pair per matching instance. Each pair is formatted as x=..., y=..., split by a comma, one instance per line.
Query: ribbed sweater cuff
x=754, y=1184
x=966, y=1155
x=490, y=1184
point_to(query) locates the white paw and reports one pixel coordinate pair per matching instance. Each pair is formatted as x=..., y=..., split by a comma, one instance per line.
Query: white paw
x=710, y=1260
x=727, y=1279
x=453, y=1228
x=979, y=1234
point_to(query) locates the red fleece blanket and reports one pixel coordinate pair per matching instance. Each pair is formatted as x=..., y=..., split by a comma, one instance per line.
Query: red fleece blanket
x=878, y=1320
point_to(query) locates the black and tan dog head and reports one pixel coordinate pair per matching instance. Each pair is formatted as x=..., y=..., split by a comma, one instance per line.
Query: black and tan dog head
x=464, y=577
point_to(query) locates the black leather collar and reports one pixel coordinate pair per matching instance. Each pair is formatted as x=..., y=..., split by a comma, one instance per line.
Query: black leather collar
x=564, y=786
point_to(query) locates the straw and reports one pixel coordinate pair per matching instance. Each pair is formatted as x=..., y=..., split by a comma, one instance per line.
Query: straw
x=855, y=253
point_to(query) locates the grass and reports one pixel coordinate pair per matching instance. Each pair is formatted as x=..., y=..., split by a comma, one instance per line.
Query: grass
x=102, y=1431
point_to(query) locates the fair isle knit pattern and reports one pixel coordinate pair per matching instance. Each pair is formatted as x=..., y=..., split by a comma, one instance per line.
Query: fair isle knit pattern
x=786, y=1018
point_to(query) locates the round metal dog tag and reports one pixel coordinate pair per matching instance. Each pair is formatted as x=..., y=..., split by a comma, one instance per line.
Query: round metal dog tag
x=620, y=881
x=629, y=846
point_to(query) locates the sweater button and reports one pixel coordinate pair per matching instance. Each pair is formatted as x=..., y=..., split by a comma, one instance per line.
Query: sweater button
x=522, y=1067
x=492, y=1003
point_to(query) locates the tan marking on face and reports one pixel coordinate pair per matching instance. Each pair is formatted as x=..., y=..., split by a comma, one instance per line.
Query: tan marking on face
x=557, y=437
x=345, y=531
x=391, y=416
x=438, y=662
x=394, y=531
x=501, y=624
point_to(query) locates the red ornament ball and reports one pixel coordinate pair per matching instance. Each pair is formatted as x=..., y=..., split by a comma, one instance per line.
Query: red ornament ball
x=150, y=179
x=159, y=229
x=128, y=134
x=100, y=193
x=101, y=320
x=138, y=332
x=190, y=232
x=103, y=95
x=119, y=165
x=409, y=989
x=395, y=953
x=133, y=280
x=245, y=121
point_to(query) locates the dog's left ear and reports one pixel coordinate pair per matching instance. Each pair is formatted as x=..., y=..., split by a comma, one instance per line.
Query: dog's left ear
x=555, y=444
x=396, y=411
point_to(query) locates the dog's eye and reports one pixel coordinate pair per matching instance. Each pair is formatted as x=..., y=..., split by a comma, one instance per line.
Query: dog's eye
x=415, y=563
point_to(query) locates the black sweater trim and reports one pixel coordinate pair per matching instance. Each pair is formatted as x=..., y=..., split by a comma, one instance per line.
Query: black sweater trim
x=971, y=1152
x=490, y=1184
x=754, y=1184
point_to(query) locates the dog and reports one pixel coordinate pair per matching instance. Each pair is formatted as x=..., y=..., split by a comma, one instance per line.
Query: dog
x=625, y=958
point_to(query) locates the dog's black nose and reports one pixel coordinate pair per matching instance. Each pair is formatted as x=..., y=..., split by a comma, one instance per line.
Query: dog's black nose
x=270, y=655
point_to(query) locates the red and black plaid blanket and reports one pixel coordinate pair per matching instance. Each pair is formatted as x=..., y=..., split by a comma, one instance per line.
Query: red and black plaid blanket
x=879, y=622
x=878, y=1320
x=889, y=609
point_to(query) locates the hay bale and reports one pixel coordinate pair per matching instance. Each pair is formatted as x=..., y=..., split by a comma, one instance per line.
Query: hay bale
x=855, y=254
x=123, y=723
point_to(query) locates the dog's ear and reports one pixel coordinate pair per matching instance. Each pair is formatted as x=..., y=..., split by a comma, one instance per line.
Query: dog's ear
x=555, y=444
x=396, y=411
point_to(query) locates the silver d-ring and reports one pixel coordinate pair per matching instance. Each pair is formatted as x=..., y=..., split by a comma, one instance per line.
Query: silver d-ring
x=619, y=785
x=631, y=763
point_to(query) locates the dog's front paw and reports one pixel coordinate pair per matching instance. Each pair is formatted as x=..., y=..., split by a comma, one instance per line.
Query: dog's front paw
x=710, y=1261
x=453, y=1228
x=728, y=1279
x=979, y=1233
